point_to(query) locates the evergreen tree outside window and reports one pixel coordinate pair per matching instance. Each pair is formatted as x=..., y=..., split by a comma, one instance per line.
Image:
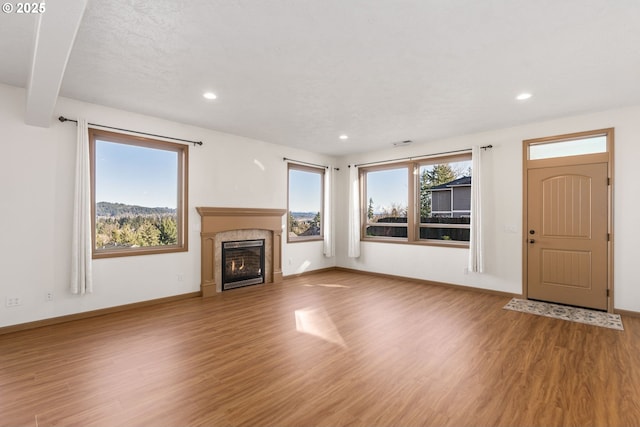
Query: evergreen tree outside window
x=305, y=203
x=139, y=195
x=387, y=195
x=445, y=200
x=425, y=201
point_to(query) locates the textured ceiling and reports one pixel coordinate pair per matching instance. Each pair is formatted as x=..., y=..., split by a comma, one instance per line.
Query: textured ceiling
x=302, y=72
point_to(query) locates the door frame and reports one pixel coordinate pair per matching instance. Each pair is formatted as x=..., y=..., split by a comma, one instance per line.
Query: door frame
x=565, y=161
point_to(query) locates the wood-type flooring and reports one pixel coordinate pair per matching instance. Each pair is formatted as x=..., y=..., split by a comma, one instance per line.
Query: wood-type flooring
x=330, y=349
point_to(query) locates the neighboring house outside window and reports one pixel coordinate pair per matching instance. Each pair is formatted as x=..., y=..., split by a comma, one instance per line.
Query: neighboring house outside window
x=452, y=199
x=450, y=211
x=432, y=205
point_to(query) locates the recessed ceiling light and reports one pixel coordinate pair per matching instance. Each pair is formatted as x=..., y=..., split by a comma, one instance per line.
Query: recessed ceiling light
x=523, y=96
x=209, y=95
x=343, y=137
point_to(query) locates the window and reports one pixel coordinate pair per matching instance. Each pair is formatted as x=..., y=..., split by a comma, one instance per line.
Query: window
x=427, y=201
x=138, y=194
x=444, y=199
x=572, y=147
x=306, y=189
x=386, y=193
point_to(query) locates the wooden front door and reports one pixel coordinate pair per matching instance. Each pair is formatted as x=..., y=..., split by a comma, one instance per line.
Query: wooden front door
x=567, y=240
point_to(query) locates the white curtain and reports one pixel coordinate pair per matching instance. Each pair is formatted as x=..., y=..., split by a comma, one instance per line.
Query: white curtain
x=354, y=213
x=329, y=229
x=476, y=252
x=81, y=281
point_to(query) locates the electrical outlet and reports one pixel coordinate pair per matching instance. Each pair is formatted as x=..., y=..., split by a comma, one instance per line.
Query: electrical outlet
x=48, y=296
x=13, y=301
x=180, y=277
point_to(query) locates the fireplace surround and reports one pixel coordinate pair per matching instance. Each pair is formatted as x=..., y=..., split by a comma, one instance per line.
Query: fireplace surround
x=221, y=225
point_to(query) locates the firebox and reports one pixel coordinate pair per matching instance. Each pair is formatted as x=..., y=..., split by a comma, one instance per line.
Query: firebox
x=242, y=263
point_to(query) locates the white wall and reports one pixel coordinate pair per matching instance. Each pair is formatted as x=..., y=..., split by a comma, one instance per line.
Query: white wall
x=37, y=191
x=502, y=181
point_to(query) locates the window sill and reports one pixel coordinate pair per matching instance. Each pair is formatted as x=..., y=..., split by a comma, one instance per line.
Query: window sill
x=404, y=241
x=135, y=252
x=305, y=239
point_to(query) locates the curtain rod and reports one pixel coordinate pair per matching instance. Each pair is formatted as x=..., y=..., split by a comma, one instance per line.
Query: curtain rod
x=64, y=119
x=286, y=159
x=484, y=147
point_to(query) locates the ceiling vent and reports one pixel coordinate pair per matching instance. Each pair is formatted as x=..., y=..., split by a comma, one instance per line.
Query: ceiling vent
x=402, y=143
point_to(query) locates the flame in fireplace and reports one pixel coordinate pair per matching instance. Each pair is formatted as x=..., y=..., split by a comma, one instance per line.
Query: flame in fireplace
x=317, y=322
x=233, y=265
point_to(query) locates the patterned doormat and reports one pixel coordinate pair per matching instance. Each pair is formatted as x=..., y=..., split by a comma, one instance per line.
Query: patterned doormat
x=572, y=314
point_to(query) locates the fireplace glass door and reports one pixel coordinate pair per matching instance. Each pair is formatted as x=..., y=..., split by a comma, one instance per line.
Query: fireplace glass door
x=242, y=263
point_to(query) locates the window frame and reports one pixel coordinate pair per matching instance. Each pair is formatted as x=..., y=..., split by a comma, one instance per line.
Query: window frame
x=311, y=169
x=413, y=224
x=364, y=204
x=182, y=226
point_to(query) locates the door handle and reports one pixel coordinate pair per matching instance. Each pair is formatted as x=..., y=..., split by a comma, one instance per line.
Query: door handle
x=532, y=241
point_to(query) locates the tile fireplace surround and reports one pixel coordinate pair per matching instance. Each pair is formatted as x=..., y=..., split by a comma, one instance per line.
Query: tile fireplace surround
x=232, y=224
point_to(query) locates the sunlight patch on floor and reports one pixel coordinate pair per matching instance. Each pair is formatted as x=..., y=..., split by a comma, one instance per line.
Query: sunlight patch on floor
x=327, y=285
x=317, y=322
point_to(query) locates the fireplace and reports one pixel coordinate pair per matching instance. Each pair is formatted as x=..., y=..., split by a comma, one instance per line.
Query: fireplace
x=242, y=263
x=224, y=224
